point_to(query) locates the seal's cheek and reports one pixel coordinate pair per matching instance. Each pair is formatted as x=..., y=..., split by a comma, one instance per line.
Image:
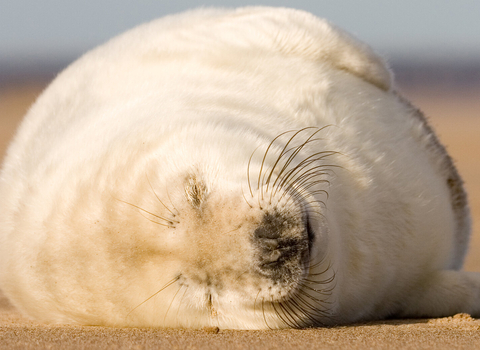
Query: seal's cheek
x=214, y=245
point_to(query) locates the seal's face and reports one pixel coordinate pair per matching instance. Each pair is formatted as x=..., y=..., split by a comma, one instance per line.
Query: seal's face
x=243, y=247
x=241, y=253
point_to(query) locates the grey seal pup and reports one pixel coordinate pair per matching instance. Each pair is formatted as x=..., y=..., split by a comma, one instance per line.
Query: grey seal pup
x=245, y=169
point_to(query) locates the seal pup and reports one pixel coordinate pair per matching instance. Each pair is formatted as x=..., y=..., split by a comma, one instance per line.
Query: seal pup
x=246, y=169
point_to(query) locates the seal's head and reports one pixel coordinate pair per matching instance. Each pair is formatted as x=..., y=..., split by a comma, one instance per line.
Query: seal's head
x=241, y=250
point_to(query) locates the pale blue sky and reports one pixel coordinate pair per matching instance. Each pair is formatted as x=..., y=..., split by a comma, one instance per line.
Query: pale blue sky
x=435, y=29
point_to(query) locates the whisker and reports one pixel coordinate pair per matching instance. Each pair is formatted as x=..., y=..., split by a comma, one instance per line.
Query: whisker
x=171, y=303
x=243, y=194
x=306, y=312
x=280, y=316
x=301, y=312
x=248, y=171
x=312, y=310
x=156, y=222
x=316, y=301
x=255, y=302
x=171, y=212
x=170, y=222
x=290, y=175
x=168, y=284
x=170, y=199
x=313, y=266
x=264, y=317
x=282, y=154
x=180, y=303
x=265, y=157
x=294, y=153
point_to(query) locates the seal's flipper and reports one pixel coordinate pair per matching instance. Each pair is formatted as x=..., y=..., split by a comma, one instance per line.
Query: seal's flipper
x=445, y=293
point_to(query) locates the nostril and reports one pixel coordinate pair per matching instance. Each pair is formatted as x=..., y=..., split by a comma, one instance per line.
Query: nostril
x=273, y=257
x=269, y=233
x=270, y=244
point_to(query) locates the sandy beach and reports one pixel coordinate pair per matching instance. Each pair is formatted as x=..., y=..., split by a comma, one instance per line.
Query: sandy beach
x=455, y=115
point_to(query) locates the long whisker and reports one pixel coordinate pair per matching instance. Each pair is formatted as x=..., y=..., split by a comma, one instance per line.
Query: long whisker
x=301, y=312
x=282, y=154
x=171, y=223
x=255, y=302
x=302, y=165
x=248, y=171
x=265, y=157
x=284, y=318
x=263, y=312
x=153, y=190
x=246, y=201
x=155, y=222
x=295, y=152
x=168, y=284
x=171, y=302
x=180, y=303
x=170, y=199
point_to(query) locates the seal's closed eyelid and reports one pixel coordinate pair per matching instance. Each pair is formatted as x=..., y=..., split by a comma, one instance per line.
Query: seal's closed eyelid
x=196, y=190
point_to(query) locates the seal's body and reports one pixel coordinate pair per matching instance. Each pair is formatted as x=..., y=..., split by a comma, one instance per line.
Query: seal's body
x=243, y=169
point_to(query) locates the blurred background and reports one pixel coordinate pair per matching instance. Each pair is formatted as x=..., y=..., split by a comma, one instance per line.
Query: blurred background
x=429, y=41
x=433, y=46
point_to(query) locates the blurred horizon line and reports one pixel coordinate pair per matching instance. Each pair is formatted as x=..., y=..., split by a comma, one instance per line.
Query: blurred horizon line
x=409, y=72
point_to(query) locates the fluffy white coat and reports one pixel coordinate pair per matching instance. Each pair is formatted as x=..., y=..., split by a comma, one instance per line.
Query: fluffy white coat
x=99, y=220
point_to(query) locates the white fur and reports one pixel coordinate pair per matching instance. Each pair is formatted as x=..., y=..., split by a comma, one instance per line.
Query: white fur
x=201, y=92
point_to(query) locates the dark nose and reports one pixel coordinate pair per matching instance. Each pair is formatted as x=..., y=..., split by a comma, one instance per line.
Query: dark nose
x=277, y=247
